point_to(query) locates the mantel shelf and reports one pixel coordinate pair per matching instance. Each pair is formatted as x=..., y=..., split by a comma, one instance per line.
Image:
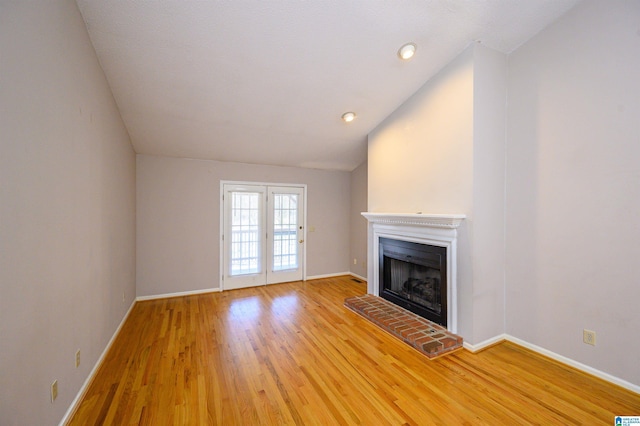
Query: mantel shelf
x=449, y=221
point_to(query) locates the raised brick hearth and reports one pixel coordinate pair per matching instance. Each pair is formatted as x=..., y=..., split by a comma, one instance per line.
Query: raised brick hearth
x=431, y=339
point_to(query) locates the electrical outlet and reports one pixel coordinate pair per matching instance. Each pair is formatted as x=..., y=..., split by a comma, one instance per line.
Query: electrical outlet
x=78, y=358
x=355, y=261
x=589, y=337
x=54, y=390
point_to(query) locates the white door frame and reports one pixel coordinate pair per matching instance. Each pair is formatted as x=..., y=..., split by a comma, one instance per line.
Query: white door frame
x=303, y=255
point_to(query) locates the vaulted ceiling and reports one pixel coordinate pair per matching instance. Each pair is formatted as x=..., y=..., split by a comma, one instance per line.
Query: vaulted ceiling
x=266, y=82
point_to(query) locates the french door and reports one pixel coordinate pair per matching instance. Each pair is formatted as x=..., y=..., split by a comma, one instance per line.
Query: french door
x=262, y=234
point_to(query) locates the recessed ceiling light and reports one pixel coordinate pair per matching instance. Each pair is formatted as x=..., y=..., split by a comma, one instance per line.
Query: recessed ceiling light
x=348, y=117
x=407, y=51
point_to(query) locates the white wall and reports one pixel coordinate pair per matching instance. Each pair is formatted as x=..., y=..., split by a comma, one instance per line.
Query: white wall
x=487, y=226
x=421, y=156
x=573, y=187
x=67, y=210
x=442, y=151
x=358, y=224
x=178, y=220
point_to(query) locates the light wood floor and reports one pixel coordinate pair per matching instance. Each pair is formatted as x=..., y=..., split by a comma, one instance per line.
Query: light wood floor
x=292, y=354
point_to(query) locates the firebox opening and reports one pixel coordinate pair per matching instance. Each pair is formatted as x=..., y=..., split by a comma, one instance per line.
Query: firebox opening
x=414, y=276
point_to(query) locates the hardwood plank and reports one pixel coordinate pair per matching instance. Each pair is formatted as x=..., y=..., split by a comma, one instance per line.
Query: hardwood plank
x=293, y=354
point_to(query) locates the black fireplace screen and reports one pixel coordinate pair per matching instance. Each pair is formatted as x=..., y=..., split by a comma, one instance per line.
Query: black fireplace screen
x=418, y=283
x=413, y=276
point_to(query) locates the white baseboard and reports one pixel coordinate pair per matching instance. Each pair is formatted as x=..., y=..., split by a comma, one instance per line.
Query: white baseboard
x=317, y=277
x=339, y=274
x=178, y=294
x=215, y=290
x=358, y=276
x=575, y=364
x=73, y=407
x=482, y=345
x=557, y=357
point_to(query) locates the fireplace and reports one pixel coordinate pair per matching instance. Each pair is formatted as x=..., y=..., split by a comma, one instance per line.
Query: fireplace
x=414, y=276
x=436, y=231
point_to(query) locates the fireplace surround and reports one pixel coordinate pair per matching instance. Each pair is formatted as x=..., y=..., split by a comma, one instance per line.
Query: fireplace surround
x=437, y=230
x=414, y=276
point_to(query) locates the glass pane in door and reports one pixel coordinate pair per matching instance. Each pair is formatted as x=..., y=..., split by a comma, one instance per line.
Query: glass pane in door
x=285, y=231
x=245, y=233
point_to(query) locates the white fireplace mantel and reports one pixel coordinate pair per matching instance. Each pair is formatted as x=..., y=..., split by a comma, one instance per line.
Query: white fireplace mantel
x=450, y=221
x=433, y=229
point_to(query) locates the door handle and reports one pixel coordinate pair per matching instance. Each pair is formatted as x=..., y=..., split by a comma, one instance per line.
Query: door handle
x=301, y=241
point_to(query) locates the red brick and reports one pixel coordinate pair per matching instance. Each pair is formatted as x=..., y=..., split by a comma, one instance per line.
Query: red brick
x=448, y=342
x=406, y=332
x=424, y=327
x=400, y=328
x=421, y=341
x=429, y=338
x=432, y=347
x=370, y=310
x=386, y=322
x=415, y=336
x=393, y=324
